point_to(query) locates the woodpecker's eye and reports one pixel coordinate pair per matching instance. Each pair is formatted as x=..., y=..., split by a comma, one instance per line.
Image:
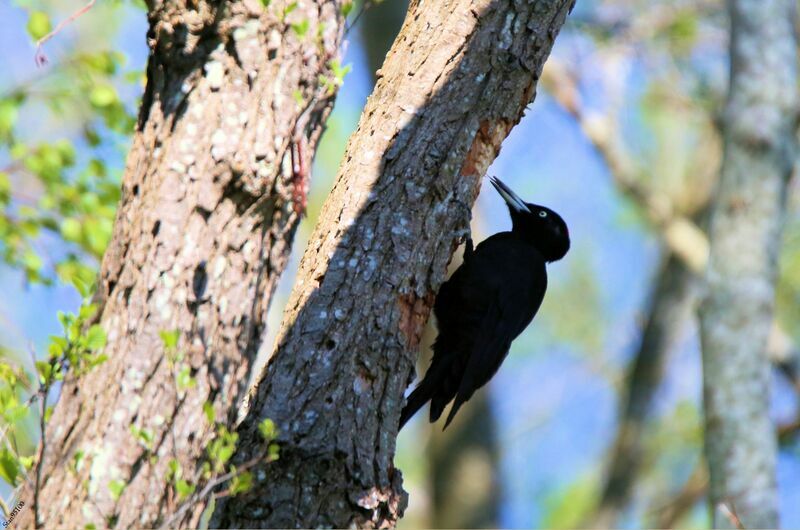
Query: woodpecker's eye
x=542, y=214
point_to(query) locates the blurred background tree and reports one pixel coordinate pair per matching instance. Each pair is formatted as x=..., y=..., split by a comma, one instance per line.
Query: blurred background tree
x=595, y=419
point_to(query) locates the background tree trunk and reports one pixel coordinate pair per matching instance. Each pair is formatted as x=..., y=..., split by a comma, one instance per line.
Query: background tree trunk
x=202, y=234
x=672, y=301
x=458, y=77
x=736, y=316
x=464, y=468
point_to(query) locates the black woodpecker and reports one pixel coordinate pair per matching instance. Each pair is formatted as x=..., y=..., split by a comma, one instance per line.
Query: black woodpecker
x=487, y=302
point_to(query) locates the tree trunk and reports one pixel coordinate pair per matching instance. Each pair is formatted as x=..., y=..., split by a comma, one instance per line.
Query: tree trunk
x=457, y=79
x=210, y=202
x=760, y=148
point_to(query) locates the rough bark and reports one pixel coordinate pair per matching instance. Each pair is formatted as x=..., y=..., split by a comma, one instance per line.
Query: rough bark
x=203, y=230
x=458, y=77
x=760, y=148
x=669, y=308
x=378, y=26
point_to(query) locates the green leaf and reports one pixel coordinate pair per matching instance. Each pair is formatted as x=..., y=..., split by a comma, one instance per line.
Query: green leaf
x=208, y=409
x=9, y=467
x=170, y=338
x=347, y=7
x=184, y=488
x=102, y=96
x=241, y=483
x=267, y=429
x=71, y=229
x=301, y=28
x=116, y=487
x=95, y=337
x=184, y=379
x=38, y=25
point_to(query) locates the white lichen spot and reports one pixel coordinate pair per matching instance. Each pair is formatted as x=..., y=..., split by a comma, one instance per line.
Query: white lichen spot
x=101, y=469
x=223, y=304
x=158, y=420
x=274, y=40
x=239, y=34
x=339, y=314
x=219, y=267
x=119, y=415
x=360, y=385
x=177, y=167
x=261, y=475
x=214, y=74
x=323, y=314
x=352, y=263
x=133, y=404
x=219, y=137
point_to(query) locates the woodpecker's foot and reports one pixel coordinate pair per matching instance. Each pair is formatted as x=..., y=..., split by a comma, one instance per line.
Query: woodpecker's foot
x=466, y=232
x=468, y=247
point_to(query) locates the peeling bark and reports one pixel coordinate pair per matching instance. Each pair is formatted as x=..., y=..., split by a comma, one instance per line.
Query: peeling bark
x=202, y=233
x=760, y=148
x=458, y=77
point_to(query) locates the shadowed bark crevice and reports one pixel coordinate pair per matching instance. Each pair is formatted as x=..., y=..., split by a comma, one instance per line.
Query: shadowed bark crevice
x=457, y=79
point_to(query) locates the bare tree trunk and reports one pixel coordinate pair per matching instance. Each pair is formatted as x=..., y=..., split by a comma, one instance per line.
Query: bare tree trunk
x=209, y=208
x=457, y=79
x=736, y=315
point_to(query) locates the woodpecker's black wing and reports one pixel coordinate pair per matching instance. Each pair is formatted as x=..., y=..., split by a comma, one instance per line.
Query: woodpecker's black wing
x=488, y=301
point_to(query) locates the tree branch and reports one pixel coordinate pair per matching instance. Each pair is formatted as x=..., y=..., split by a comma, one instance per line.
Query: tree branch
x=457, y=79
x=736, y=315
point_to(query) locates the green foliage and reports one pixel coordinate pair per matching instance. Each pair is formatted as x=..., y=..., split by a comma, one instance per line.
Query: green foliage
x=241, y=483
x=336, y=78
x=75, y=352
x=268, y=429
x=45, y=188
x=116, y=487
x=569, y=506
x=38, y=25
x=301, y=28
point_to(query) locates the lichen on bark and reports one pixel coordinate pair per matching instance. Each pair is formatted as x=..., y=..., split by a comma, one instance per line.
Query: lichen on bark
x=202, y=232
x=458, y=77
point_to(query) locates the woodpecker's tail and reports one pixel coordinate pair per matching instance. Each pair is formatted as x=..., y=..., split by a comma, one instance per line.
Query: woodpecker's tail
x=416, y=400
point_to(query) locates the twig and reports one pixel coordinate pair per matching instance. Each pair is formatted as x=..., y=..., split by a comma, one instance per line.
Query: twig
x=691, y=492
x=202, y=494
x=40, y=58
x=366, y=5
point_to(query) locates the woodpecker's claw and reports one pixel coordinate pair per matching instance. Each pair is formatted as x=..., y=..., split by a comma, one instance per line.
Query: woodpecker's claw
x=466, y=232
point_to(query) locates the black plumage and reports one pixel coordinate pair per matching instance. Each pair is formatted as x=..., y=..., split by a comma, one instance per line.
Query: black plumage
x=487, y=302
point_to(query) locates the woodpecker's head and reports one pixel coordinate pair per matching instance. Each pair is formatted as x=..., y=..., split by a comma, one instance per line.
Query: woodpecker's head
x=539, y=225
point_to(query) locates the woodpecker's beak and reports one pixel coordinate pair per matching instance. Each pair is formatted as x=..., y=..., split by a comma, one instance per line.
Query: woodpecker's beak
x=511, y=198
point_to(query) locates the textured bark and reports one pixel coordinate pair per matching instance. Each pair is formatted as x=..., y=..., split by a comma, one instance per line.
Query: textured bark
x=378, y=26
x=670, y=306
x=202, y=233
x=736, y=315
x=458, y=77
